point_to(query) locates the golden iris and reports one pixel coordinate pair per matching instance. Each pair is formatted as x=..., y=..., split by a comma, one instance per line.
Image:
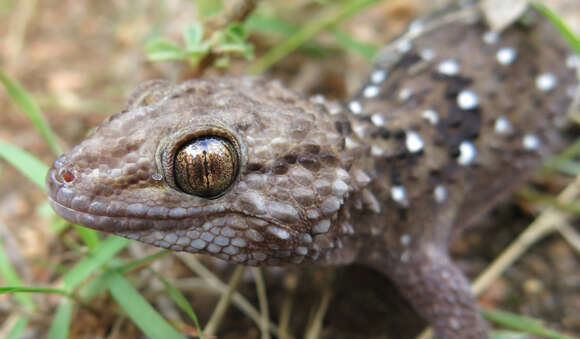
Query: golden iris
x=206, y=166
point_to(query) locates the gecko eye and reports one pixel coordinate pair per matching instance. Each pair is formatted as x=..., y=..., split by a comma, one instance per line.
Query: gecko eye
x=206, y=166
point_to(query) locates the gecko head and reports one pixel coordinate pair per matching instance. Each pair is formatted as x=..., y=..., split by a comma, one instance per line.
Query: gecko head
x=239, y=168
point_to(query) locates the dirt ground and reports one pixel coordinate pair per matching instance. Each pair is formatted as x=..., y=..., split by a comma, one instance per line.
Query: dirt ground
x=80, y=59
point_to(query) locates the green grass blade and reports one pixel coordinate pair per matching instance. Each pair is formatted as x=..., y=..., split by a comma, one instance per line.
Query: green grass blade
x=25, y=163
x=564, y=30
x=61, y=322
x=306, y=33
x=142, y=261
x=101, y=255
x=508, y=335
x=181, y=301
x=268, y=25
x=29, y=106
x=27, y=289
x=369, y=51
x=521, y=323
x=90, y=236
x=139, y=310
x=10, y=276
x=17, y=330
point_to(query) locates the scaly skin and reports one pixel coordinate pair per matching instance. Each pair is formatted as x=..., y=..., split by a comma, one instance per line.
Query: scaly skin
x=449, y=122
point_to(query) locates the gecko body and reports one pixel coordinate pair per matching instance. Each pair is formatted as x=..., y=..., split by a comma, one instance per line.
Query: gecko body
x=451, y=118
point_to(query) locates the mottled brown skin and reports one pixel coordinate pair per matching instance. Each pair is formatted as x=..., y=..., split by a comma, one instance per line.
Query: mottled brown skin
x=380, y=180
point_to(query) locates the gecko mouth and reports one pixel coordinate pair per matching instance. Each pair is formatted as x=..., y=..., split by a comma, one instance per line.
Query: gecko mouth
x=116, y=216
x=110, y=215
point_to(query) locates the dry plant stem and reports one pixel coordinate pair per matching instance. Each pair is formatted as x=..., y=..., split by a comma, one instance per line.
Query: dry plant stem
x=290, y=281
x=549, y=221
x=236, y=11
x=315, y=327
x=571, y=236
x=214, y=284
x=263, y=299
x=224, y=302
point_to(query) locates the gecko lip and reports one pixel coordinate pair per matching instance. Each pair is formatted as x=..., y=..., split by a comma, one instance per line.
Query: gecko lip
x=113, y=216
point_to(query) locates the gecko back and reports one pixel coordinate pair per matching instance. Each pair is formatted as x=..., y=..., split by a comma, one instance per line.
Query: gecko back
x=454, y=110
x=454, y=117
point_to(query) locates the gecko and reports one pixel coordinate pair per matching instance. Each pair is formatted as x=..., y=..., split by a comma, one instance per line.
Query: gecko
x=452, y=117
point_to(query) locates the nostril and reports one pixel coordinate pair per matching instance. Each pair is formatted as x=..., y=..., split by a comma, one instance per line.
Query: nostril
x=67, y=175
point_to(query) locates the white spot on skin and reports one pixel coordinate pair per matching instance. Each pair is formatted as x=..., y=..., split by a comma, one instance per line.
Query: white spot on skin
x=467, y=153
x=405, y=94
x=546, y=82
x=448, y=67
x=360, y=130
x=531, y=142
x=454, y=323
x=502, y=125
x=350, y=144
x=440, y=193
x=378, y=76
x=371, y=91
x=467, y=100
x=405, y=240
x=428, y=54
x=506, y=55
x=376, y=151
x=573, y=61
x=416, y=26
x=490, y=37
x=378, y=120
x=355, y=107
x=431, y=116
x=279, y=232
x=321, y=227
x=413, y=142
x=318, y=99
x=404, y=46
x=398, y=194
